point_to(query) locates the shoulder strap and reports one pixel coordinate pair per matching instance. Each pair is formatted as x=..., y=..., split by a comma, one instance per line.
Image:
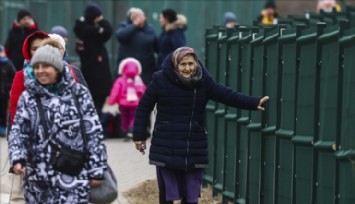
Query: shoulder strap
x=41, y=115
x=83, y=132
x=73, y=73
x=44, y=124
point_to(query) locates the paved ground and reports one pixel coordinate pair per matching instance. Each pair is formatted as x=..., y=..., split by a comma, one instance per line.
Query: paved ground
x=130, y=167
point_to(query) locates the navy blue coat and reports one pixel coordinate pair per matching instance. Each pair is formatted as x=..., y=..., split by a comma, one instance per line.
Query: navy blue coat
x=179, y=137
x=139, y=43
x=172, y=37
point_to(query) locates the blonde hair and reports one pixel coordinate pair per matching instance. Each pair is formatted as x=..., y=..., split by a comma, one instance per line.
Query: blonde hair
x=134, y=12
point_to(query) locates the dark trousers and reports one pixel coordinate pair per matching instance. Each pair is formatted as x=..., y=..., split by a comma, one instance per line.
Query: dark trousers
x=4, y=102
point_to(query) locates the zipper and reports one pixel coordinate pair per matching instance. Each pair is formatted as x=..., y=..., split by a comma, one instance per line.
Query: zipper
x=188, y=139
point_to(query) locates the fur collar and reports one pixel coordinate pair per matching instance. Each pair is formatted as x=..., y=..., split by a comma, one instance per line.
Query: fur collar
x=181, y=23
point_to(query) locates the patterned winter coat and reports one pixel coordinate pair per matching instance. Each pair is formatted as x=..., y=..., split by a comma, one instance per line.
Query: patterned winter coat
x=29, y=145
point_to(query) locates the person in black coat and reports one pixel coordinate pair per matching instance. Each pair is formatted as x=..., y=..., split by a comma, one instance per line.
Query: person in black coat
x=22, y=27
x=172, y=36
x=92, y=32
x=181, y=91
x=7, y=73
x=137, y=39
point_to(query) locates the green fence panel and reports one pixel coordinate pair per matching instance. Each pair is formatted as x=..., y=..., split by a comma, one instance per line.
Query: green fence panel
x=256, y=123
x=220, y=135
x=306, y=127
x=242, y=153
x=231, y=141
x=211, y=65
x=286, y=124
x=328, y=111
x=271, y=88
x=346, y=149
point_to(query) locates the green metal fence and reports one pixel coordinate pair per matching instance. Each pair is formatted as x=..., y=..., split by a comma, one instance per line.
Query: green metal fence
x=302, y=148
x=199, y=13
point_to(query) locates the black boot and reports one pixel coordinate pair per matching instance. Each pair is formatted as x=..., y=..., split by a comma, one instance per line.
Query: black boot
x=183, y=201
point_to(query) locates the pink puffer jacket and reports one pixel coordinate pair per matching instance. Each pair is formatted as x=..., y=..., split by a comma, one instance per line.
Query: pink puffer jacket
x=129, y=87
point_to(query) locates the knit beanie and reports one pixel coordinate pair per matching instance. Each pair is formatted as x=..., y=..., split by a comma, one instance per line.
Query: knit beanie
x=49, y=55
x=91, y=12
x=22, y=13
x=58, y=38
x=169, y=14
x=60, y=30
x=229, y=17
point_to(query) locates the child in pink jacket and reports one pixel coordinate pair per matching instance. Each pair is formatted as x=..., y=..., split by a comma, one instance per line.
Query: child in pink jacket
x=127, y=91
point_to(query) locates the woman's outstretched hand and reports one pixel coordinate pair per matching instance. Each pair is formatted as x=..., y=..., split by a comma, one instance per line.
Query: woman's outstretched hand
x=262, y=101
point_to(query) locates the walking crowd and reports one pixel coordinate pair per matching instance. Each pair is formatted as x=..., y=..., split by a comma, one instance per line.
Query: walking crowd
x=52, y=109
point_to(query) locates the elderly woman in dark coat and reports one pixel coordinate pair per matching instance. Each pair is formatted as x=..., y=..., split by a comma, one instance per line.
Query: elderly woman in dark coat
x=92, y=32
x=179, y=144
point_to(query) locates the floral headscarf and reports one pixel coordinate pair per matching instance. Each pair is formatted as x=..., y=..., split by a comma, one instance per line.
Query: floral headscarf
x=177, y=56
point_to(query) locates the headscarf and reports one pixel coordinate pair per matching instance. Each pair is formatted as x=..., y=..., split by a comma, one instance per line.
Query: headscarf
x=177, y=56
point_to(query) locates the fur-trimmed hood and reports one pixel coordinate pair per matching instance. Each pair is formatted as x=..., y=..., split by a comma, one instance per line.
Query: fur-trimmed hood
x=124, y=62
x=180, y=23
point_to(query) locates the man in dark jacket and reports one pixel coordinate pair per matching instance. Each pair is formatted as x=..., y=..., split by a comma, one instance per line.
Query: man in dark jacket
x=137, y=39
x=22, y=27
x=92, y=32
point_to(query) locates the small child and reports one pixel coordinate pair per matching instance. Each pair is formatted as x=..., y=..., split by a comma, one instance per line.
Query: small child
x=127, y=91
x=7, y=73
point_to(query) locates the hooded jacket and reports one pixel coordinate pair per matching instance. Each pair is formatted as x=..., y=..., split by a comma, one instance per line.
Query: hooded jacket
x=14, y=42
x=28, y=144
x=172, y=37
x=179, y=137
x=18, y=85
x=129, y=87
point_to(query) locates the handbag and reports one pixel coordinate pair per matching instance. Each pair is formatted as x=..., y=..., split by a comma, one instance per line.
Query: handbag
x=65, y=159
x=107, y=191
x=11, y=187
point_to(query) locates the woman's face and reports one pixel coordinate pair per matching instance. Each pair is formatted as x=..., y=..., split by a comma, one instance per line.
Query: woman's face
x=162, y=20
x=187, y=66
x=45, y=73
x=36, y=43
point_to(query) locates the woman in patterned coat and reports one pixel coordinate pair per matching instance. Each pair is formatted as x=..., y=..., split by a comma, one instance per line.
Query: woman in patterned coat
x=30, y=147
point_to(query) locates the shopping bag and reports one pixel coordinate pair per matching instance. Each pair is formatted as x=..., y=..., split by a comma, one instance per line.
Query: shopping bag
x=107, y=192
x=11, y=187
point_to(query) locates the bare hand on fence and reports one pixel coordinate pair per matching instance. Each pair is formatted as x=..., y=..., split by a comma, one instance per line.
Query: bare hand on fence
x=262, y=101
